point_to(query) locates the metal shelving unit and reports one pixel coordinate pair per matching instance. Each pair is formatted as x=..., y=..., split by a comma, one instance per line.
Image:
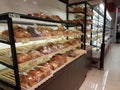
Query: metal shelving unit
x=11, y=18
x=86, y=5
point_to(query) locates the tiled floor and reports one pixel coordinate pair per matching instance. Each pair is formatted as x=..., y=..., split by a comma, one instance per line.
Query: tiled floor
x=109, y=78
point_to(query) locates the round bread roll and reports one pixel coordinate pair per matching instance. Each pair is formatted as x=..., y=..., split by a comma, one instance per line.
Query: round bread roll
x=54, y=64
x=38, y=74
x=46, y=71
x=29, y=79
x=48, y=65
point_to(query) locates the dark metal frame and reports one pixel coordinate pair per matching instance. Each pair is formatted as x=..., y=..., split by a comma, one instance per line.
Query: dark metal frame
x=6, y=16
x=103, y=39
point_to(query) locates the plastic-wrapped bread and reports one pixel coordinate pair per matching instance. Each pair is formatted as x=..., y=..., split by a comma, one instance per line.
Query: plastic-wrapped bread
x=45, y=70
x=38, y=74
x=23, y=58
x=28, y=80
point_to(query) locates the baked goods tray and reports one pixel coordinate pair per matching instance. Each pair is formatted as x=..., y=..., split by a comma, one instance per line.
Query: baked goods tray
x=26, y=40
x=8, y=75
x=36, y=61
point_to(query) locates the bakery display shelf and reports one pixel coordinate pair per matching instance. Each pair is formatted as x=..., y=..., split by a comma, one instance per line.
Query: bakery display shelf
x=17, y=18
x=8, y=75
x=36, y=61
x=11, y=59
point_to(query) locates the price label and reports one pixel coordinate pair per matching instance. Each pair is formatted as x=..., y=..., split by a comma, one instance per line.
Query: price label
x=13, y=15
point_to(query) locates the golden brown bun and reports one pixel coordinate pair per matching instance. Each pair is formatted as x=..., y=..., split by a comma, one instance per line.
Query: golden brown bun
x=38, y=74
x=54, y=64
x=48, y=66
x=18, y=32
x=29, y=79
x=46, y=71
x=21, y=33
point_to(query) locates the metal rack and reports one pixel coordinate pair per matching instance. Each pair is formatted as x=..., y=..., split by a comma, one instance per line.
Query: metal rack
x=9, y=18
x=85, y=3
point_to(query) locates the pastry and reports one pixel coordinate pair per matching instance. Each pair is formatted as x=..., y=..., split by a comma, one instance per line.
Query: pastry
x=45, y=70
x=38, y=74
x=28, y=79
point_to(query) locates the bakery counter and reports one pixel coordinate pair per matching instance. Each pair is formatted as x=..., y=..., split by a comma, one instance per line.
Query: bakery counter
x=69, y=77
x=71, y=74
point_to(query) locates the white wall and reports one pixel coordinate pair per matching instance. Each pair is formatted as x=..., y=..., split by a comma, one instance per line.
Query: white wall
x=51, y=7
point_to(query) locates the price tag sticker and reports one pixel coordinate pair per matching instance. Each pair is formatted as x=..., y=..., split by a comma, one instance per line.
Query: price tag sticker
x=13, y=15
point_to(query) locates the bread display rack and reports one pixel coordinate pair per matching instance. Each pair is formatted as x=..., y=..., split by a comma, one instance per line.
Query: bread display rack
x=83, y=11
x=11, y=75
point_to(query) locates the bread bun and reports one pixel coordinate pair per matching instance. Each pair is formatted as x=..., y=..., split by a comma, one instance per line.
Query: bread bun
x=45, y=70
x=21, y=33
x=28, y=79
x=38, y=74
x=48, y=65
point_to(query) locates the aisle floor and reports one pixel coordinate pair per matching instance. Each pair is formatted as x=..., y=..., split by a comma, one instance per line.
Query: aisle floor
x=109, y=78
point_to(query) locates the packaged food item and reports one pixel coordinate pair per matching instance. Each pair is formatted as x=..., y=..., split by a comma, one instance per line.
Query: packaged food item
x=33, y=31
x=19, y=32
x=23, y=58
x=28, y=80
x=38, y=74
x=45, y=70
